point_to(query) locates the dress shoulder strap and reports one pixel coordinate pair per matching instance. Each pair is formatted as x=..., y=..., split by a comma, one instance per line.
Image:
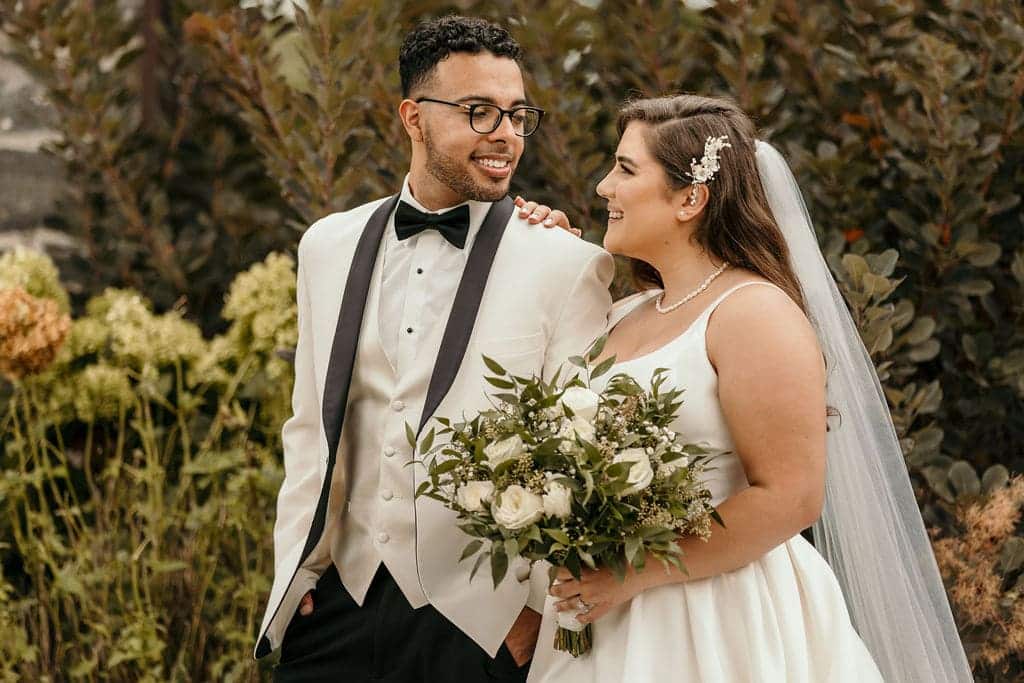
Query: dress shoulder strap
x=625, y=306
x=706, y=315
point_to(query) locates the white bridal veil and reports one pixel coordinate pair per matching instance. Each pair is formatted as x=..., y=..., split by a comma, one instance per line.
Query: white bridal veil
x=870, y=531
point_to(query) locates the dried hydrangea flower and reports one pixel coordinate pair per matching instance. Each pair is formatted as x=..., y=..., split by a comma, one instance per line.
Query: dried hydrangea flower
x=31, y=332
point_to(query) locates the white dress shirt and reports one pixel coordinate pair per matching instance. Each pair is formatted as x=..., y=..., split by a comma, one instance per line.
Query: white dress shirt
x=420, y=276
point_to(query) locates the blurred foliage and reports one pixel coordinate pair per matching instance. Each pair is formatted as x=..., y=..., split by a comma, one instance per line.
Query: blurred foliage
x=199, y=141
x=139, y=472
x=166, y=192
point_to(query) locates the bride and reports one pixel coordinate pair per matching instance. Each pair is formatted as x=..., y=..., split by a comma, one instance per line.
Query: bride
x=738, y=304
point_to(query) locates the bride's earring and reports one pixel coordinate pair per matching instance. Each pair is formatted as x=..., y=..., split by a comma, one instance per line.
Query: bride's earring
x=693, y=196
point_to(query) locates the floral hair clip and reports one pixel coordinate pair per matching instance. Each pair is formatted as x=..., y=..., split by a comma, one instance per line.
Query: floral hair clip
x=704, y=172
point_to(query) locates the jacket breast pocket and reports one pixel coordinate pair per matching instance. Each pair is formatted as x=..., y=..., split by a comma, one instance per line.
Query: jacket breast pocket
x=523, y=355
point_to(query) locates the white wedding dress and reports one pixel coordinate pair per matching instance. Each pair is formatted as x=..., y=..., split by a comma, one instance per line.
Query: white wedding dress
x=780, y=619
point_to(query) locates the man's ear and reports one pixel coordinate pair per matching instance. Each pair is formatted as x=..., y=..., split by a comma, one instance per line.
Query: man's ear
x=409, y=112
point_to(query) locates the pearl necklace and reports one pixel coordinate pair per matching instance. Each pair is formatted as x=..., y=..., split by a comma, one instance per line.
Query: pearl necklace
x=704, y=285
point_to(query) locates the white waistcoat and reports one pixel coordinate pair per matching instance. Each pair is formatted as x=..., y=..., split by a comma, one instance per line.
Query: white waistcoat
x=378, y=520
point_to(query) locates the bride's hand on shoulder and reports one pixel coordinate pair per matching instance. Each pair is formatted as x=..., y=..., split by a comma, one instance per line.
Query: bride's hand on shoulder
x=600, y=590
x=536, y=213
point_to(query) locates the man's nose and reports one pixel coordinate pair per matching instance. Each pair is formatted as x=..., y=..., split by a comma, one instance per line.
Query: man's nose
x=505, y=130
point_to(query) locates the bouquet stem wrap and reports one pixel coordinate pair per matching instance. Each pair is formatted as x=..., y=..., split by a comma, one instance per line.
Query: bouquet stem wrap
x=573, y=636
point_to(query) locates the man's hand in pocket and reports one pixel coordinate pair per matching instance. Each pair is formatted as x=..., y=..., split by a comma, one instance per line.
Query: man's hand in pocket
x=306, y=606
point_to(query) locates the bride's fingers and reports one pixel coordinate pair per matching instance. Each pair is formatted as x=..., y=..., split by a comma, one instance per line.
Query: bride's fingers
x=569, y=604
x=527, y=209
x=539, y=214
x=558, y=219
x=593, y=615
x=565, y=589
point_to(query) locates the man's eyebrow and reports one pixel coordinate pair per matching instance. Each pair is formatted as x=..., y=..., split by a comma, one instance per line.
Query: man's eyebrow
x=488, y=100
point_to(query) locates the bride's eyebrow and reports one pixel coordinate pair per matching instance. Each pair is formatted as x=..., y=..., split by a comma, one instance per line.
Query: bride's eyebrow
x=624, y=160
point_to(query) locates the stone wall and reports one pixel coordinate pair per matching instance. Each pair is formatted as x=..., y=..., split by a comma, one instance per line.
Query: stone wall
x=30, y=180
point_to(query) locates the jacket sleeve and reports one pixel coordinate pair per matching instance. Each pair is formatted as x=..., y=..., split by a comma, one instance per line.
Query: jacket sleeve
x=300, y=435
x=584, y=312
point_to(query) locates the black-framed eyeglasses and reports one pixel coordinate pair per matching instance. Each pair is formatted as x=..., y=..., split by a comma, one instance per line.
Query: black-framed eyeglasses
x=485, y=118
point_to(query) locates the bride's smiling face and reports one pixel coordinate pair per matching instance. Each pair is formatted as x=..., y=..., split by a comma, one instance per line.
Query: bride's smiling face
x=642, y=207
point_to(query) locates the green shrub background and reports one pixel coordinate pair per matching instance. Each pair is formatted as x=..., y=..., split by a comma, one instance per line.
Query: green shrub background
x=138, y=472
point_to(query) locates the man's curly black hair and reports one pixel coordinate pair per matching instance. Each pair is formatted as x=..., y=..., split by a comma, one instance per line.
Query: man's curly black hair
x=432, y=41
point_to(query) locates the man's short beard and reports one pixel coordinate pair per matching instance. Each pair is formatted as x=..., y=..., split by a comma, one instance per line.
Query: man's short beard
x=446, y=170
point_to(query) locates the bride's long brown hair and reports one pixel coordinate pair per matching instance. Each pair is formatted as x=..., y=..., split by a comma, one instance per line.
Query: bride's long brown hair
x=738, y=225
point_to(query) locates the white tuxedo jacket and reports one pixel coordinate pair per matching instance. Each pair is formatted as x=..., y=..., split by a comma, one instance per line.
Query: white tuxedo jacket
x=529, y=297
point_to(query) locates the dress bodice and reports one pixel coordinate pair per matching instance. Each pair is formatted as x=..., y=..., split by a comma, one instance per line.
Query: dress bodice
x=700, y=419
x=781, y=617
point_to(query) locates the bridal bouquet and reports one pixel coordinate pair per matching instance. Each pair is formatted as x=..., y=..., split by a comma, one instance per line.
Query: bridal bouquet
x=560, y=473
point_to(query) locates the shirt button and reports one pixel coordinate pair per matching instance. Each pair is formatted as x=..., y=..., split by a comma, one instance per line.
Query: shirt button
x=388, y=452
x=419, y=271
x=387, y=494
x=383, y=537
x=409, y=330
x=397, y=406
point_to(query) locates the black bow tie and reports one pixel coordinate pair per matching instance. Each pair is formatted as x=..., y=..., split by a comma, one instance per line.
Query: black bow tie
x=453, y=225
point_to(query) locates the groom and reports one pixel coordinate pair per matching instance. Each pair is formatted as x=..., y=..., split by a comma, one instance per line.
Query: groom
x=398, y=300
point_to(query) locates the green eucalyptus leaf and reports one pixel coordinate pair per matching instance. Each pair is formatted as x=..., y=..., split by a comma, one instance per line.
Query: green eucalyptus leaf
x=603, y=367
x=499, y=563
x=558, y=535
x=428, y=441
x=494, y=366
x=480, y=559
x=511, y=547
x=471, y=548
x=632, y=545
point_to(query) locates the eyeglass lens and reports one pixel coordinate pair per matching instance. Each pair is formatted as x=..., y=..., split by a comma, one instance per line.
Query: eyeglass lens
x=485, y=118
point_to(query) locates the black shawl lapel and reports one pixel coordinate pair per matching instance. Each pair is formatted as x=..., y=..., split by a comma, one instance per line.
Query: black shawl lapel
x=467, y=302
x=343, y=353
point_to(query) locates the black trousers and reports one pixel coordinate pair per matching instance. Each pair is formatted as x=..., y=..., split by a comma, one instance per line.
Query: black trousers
x=385, y=640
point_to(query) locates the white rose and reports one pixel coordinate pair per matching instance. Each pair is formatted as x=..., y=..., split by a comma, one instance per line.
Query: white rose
x=577, y=426
x=473, y=494
x=582, y=402
x=584, y=429
x=553, y=413
x=557, y=500
x=640, y=473
x=517, y=507
x=667, y=469
x=503, y=450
